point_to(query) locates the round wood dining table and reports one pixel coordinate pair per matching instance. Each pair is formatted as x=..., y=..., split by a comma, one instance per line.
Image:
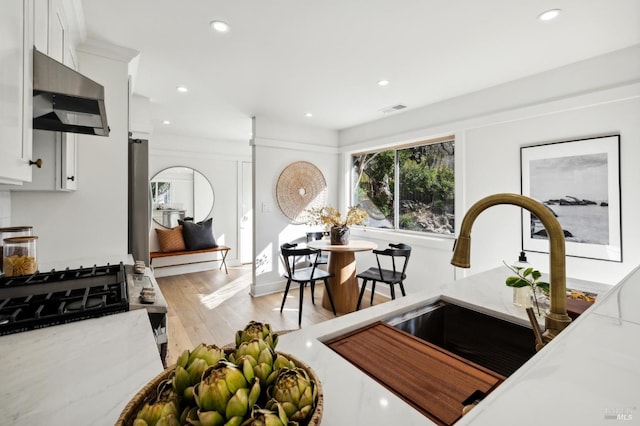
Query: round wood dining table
x=342, y=264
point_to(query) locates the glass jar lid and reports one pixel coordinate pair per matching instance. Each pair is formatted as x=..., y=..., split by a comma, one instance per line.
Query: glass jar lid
x=17, y=240
x=16, y=228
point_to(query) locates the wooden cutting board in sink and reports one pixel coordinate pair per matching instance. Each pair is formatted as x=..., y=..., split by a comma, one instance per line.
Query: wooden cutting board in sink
x=434, y=381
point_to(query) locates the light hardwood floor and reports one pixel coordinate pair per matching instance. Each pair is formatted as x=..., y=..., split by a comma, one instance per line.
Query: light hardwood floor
x=211, y=306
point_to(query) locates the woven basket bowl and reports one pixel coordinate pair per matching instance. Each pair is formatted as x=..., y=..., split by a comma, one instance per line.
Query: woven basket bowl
x=149, y=392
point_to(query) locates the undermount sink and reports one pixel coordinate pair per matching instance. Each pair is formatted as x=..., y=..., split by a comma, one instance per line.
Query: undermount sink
x=441, y=358
x=496, y=344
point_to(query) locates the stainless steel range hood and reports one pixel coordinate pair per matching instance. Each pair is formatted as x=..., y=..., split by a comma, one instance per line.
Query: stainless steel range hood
x=66, y=101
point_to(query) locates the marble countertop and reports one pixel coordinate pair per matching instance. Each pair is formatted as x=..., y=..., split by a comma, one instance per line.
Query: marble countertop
x=586, y=375
x=83, y=372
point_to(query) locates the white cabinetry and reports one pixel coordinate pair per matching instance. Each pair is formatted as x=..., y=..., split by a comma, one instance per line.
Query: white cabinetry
x=41, y=25
x=50, y=29
x=57, y=152
x=68, y=162
x=56, y=34
x=16, y=90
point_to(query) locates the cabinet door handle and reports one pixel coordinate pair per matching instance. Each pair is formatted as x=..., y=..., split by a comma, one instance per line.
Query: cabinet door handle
x=37, y=163
x=71, y=178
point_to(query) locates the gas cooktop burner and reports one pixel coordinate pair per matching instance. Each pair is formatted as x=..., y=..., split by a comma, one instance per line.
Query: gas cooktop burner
x=45, y=299
x=78, y=305
x=94, y=273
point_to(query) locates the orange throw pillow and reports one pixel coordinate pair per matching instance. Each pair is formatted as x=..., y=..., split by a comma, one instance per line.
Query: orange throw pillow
x=171, y=239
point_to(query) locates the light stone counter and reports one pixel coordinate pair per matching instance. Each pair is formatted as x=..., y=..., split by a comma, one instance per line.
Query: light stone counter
x=83, y=372
x=589, y=373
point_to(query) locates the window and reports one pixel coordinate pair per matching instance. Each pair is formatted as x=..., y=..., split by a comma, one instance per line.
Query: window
x=160, y=193
x=409, y=187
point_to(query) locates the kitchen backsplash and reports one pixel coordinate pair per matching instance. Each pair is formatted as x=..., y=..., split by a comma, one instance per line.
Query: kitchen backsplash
x=5, y=208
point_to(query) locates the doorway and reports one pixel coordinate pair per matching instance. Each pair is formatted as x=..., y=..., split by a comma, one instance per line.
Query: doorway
x=246, y=214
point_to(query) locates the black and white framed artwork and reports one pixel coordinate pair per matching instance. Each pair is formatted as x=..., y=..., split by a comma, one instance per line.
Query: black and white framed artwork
x=579, y=181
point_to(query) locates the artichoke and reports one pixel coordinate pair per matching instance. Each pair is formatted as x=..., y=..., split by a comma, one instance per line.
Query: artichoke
x=161, y=412
x=157, y=414
x=257, y=348
x=257, y=356
x=190, y=366
x=189, y=415
x=224, y=396
x=210, y=353
x=262, y=417
x=282, y=361
x=257, y=330
x=295, y=391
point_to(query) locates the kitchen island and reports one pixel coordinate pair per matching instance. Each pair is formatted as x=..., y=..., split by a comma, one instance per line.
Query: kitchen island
x=589, y=374
x=84, y=372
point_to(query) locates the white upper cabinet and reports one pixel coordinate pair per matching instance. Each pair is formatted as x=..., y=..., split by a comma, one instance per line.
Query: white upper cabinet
x=55, y=152
x=69, y=162
x=56, y=34
x=41, y=25
x=49, y=29
x=16, y=90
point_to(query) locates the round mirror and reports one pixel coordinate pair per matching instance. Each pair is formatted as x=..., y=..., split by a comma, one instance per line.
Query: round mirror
x=179, y=193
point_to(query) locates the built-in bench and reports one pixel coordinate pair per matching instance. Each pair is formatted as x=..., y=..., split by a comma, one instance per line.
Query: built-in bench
x=189, y=257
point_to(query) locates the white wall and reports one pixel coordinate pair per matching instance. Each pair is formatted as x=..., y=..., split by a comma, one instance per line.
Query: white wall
x=92, y=221
x=500, y=172
x=5, y=208
x=220, y=163
x=594, y=97
x=275, y=146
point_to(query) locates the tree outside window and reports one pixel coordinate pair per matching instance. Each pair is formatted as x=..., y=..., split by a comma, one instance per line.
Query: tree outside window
x=409, y=188
x=160, y=193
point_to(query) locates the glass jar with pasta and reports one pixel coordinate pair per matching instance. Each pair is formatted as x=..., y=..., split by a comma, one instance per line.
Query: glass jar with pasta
x=19, y=256
x=10, y=232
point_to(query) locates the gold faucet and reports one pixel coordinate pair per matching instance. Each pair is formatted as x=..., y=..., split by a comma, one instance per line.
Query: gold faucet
x=556, y=319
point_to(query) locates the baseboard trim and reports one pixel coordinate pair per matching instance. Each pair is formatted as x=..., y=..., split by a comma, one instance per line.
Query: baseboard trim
x=188, y=268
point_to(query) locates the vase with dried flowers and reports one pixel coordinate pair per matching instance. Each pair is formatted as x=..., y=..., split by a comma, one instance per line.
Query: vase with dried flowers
x=333, y=220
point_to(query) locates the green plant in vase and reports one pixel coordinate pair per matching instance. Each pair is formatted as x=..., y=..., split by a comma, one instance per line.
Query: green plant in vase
x=527, y=276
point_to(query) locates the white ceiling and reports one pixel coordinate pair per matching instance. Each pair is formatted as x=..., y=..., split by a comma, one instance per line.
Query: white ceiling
x=283, y=58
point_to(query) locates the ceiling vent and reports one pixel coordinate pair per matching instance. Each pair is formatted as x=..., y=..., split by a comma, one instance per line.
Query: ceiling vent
x=392, y=108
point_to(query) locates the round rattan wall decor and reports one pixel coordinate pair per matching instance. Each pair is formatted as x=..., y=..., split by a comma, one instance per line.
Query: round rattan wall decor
x=300, y=186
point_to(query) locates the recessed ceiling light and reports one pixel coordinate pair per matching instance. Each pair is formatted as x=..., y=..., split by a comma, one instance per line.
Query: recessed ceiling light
x=182, y=89
x=549, y=15
x=383, y=82
x=220, y=26
x=308, y=114
x=166, y=122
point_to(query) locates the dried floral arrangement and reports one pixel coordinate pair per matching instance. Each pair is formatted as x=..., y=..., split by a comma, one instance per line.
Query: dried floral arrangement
x=331, y=217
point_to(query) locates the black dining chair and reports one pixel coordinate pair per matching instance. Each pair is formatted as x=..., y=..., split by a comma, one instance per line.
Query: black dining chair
x=396, y=274
x=322, y=259
x=303, y=275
